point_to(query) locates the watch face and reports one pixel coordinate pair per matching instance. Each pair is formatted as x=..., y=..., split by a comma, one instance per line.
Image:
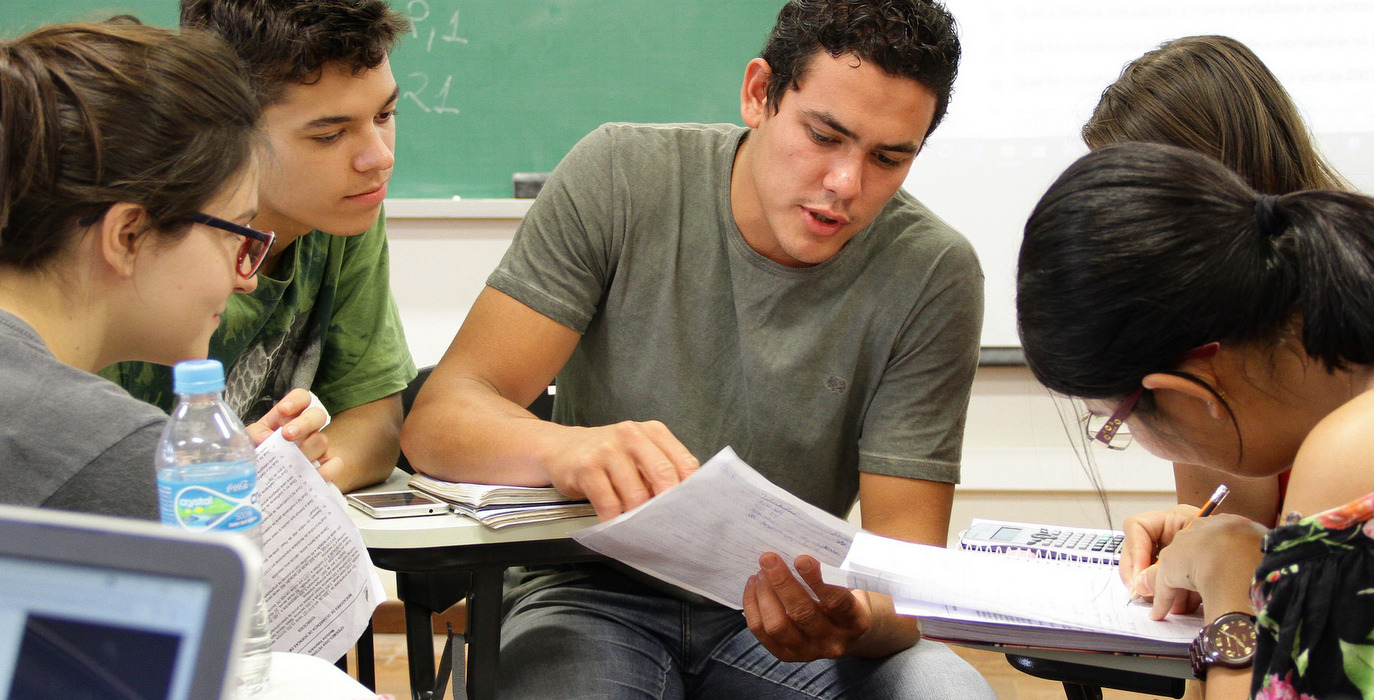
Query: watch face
x=1231, y=639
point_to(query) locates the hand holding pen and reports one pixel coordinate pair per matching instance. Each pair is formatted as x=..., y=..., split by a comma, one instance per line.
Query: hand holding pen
x=1148, y=533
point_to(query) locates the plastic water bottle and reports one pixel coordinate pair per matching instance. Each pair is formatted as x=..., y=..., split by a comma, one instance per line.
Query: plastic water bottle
x=207, y=480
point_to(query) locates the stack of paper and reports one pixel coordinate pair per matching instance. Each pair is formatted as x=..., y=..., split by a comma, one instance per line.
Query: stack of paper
x=1019, y=600
x=499, y=506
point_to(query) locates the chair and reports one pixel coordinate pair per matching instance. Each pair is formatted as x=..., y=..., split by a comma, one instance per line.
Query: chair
x=1083, y=682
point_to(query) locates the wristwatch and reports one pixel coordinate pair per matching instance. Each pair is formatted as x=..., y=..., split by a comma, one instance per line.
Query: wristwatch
x=1227, y=641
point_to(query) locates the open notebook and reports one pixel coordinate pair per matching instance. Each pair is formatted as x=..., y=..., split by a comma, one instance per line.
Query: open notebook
x=100, y=607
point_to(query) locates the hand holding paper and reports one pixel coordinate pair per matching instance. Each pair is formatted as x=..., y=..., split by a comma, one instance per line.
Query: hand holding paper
x=706, y=534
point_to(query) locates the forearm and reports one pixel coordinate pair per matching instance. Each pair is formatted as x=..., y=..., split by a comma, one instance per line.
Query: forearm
x=466, y=431
x=364, y=443
x=1227, y=684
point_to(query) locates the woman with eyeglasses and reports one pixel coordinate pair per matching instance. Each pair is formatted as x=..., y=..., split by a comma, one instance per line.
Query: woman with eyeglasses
x=1213, y=95
x=1234, y=330
x=127, y=169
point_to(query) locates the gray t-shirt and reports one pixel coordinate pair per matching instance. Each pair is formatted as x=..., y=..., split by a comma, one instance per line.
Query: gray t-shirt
x=862, y=363
x=68, y=439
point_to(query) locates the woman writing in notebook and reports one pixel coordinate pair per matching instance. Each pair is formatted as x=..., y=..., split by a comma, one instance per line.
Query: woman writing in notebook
x=1234, y=330
x=127, y=158
x=1213, y=95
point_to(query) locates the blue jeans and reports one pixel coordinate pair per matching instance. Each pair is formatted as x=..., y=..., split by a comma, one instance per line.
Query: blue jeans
x=611, y=637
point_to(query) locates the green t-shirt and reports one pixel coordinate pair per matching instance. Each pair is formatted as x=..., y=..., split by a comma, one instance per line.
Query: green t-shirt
x=324, y=320
x=863, y=363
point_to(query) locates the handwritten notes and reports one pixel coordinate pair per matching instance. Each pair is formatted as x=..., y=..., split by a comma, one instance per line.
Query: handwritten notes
x=431, y=22
x=706, y=535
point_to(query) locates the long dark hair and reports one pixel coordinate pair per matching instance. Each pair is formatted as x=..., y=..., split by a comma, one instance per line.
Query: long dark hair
x=94, y=114
x=1141, y=252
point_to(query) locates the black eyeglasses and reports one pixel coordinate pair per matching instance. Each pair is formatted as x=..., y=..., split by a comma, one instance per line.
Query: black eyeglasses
x=256, y=243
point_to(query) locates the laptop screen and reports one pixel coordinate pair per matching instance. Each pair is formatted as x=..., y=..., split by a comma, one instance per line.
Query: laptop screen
x=102, y=633
x=139, y=619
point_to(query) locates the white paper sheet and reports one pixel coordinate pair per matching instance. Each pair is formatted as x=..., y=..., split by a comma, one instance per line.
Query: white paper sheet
x=318, y=581
x=706, y=534
x=923, y=579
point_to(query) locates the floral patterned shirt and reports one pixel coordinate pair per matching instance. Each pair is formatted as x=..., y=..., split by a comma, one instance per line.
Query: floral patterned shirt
x=1314, y=591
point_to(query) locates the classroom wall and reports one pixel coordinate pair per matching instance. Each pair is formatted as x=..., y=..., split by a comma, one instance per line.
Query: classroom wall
x=1017, y=463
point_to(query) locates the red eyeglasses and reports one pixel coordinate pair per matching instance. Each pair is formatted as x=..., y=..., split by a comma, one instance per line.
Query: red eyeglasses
x=256, y=243
x=1108, y=429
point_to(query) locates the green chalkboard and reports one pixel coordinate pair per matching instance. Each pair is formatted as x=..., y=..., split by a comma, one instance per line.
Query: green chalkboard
x=494, y=87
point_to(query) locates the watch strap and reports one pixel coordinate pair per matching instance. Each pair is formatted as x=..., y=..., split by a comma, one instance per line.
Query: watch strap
x=1202, y=655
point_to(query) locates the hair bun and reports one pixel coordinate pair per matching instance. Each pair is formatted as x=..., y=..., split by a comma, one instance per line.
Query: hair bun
x=1269, y=221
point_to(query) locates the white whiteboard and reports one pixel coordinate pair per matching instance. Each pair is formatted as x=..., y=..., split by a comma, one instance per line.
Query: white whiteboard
x=1033, y=71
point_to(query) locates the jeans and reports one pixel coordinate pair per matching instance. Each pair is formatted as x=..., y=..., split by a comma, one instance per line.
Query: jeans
x=609, y=637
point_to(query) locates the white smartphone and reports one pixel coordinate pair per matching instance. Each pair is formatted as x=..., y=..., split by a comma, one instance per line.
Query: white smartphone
x=397, y=504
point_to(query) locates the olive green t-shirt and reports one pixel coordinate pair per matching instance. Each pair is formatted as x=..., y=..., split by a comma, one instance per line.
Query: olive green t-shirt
x=324, y=320
x=863, y=363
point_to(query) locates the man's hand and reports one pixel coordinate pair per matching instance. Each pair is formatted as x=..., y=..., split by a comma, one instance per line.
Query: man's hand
x=794, y=626
x=618, y=467
x=297, y=424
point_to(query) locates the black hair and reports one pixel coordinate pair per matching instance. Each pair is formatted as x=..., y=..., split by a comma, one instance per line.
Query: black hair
x=1141, y=252
x=912, y=39
x=288, y=42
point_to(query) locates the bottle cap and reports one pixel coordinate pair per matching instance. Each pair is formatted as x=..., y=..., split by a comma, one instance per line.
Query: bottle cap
x=198, y=377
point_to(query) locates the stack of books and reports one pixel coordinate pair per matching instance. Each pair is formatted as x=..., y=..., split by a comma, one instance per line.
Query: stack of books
x=502, y=506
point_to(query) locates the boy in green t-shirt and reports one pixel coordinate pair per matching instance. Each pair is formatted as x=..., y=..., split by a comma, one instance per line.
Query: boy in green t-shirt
x=322, y=317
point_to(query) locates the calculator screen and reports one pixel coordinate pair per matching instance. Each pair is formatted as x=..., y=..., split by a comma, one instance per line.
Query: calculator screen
x=1006, y=534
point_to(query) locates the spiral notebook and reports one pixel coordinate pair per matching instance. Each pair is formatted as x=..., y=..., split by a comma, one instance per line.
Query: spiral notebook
x=1012, y=597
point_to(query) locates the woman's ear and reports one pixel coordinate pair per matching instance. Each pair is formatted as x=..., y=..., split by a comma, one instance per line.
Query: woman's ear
x=120, y=236
x=1169, y=388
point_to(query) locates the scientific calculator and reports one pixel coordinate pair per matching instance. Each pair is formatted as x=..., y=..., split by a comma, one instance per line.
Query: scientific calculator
x=1049, y=541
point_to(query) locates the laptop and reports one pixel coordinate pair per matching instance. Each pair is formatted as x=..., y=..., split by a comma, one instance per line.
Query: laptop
x=101, y=607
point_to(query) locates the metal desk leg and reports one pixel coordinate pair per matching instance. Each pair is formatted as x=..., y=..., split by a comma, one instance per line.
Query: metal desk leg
x=420, y=650
x=484, y=633
x=1074, y=691
x=367, y=670
x=423, y=596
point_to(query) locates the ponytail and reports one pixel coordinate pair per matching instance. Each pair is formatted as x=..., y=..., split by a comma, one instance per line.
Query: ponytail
x=1330, y=238
x=1141, y=252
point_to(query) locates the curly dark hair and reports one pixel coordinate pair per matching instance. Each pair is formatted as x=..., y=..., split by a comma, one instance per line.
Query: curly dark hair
x=913, y=39
x=286, y=42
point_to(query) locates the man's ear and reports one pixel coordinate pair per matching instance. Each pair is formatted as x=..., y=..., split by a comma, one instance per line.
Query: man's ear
x=753, y=95
x=1176, y=388
x=120, y=236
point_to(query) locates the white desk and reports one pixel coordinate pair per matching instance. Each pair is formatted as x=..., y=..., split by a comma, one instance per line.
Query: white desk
x=429, y=552
x=454, y=544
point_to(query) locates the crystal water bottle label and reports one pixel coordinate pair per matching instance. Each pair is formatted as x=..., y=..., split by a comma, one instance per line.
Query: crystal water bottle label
x=219, y=504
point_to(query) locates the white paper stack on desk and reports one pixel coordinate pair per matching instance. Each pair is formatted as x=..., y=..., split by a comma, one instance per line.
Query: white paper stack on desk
x=501, y=506
x=1012, y=599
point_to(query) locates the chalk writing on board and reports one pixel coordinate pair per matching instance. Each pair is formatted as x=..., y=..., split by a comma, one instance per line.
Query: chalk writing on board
x=431, y=95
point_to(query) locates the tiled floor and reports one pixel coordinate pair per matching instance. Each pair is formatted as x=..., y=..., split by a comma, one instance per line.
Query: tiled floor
x=1007, y=682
